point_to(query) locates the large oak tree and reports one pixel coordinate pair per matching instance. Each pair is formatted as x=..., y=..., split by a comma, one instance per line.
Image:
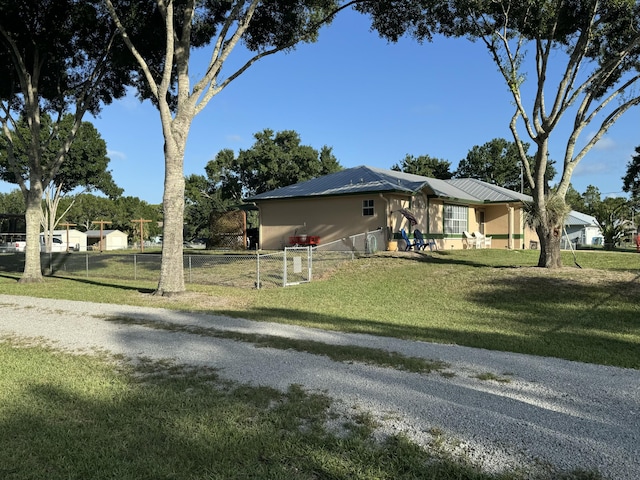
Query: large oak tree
x=55, y=58
x=85, y=165
x=262, y=27
x=561, y=60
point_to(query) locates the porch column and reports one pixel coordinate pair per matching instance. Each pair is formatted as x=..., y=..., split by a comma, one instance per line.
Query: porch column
x=511, y=223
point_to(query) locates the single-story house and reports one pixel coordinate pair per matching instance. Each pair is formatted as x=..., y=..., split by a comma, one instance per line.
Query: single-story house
x=582, y=229
x=361, y=199
x=76, y=239
x=112, y=240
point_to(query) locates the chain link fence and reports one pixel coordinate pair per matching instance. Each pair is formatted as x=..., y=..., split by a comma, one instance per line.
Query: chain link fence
x=248, y=269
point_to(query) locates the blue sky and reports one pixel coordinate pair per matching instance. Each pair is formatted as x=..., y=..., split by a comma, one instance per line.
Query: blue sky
x=372, y=101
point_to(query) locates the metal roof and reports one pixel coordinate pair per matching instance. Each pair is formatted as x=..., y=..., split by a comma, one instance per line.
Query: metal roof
x=349, y=181
x=96, y=233
x=581, y=219
x=365, y=179
x=487, y=192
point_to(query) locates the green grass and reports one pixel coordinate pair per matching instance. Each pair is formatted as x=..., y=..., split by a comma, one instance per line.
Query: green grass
x=67, y=416
x=486, y=298
x=76, y=416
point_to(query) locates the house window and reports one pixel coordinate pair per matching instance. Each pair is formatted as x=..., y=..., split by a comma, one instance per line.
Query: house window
x=367, y=208
x=455, y=219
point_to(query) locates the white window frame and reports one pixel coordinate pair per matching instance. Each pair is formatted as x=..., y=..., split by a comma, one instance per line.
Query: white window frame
x=456, y=219
x=368, y=206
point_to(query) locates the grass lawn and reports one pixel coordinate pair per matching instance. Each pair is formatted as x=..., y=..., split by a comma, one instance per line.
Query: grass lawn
x=66, y=416
x=77, y=416
x=491, y=299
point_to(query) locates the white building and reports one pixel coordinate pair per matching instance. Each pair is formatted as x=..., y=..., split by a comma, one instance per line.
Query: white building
x=76, y=239
x=111, y=240
x=582, y=229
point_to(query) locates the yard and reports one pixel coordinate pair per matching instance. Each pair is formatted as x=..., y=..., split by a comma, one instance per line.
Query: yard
x=493, y=299
x=65, y=416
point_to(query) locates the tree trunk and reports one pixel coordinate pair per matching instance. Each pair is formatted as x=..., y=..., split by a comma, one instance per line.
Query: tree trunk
x=32, y=269
x=549, y=236
x=172, y=268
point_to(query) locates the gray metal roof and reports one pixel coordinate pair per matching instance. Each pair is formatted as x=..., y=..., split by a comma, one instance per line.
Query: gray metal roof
x=580, y=219
x=96, y=233
x=365, y=179
x=486, y=192
x=349, y=181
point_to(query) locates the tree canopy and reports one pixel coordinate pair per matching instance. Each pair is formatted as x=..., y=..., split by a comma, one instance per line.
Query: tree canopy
x=275, y=160
x=264, y=28
x=426, y=166
x=55, y=58
x=631, y=180
x=85, y=164
x=498, y=162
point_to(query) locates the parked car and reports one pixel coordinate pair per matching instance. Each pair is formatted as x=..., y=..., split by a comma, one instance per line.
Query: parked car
x=57, y=245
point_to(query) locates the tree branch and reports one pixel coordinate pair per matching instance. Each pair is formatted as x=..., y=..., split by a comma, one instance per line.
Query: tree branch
x=127, y=40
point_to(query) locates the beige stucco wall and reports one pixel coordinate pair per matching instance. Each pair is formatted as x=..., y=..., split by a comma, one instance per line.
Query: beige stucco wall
x=330, y=218
x=333, y=218
x=506, y=229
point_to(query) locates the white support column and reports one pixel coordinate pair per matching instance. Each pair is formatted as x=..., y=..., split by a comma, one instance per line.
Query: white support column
x=511, y=224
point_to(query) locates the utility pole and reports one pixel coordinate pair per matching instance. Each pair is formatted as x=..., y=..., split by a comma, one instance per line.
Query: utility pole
x=68, y=225
x=102, y=223
x=141, y=222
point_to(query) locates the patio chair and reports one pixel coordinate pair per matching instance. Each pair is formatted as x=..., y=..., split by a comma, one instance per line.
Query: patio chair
x=484, y=241
x=469, y=241
x=418, y=242
x=423, y=243
x=407, y=242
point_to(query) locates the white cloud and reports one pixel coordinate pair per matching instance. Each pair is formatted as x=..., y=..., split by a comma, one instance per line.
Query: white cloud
x=234, y=138
x=605, y=143
x=116, y=155
x=593, y=168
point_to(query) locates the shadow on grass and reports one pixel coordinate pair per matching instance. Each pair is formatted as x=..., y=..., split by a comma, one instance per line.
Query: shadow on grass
x=117, y=286
x=184, y=424
x=8, y=276
x=580, y=345
x=539, y=314
x=86, y=281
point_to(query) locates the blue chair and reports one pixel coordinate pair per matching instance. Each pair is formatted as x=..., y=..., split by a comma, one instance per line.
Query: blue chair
x=419, y=240
x=421, y=243
x=407, y=242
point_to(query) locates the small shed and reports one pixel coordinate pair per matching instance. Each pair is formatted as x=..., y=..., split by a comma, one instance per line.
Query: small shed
x=111, y=240
x=76, y=239
x=582, y=229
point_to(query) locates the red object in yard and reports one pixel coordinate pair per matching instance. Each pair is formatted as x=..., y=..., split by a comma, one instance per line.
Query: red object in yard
x=304, y=240
x=638, y=242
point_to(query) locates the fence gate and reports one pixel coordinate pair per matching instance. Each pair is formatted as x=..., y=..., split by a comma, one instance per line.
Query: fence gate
x=297, y=265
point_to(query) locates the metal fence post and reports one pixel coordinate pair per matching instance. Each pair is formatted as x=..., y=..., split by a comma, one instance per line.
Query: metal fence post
x=284, y=268
x=86, y=263
x=135, y=267
x=189, y=268
x=258, y=270
x=309, y=260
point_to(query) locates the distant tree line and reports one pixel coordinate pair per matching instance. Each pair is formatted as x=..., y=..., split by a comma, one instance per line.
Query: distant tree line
x=496, y=162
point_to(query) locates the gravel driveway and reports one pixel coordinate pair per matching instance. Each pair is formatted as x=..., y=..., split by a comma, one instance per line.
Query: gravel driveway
x=551, y=414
